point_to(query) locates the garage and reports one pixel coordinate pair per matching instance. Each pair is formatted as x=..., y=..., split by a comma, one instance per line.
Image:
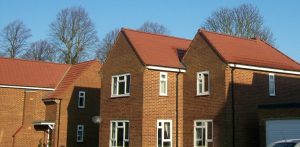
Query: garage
x=277, y=130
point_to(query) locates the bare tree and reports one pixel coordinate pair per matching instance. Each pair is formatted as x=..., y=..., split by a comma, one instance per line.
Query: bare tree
x=154, y=27
x=106, y=44
x=73, y=33
x=243, y=21
x=14, y=37
x=40, y=50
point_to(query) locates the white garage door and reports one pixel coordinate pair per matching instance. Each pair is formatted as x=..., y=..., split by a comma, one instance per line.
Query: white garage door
x=282, y=129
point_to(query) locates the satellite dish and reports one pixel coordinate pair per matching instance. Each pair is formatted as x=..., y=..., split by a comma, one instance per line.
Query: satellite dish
x=96, y=119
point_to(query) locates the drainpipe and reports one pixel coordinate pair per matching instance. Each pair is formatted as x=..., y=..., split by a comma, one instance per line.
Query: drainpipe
x=58, y=123
x=23, y=117
x=177, y=74
x=233, y=105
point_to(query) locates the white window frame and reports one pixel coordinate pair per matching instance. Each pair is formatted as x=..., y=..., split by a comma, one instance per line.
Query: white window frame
x=80, y=128
x=272, y=83
x=200, y=76
x=118, y=81
x=207, y=140
x=161, y=127
x=116, y=132
x=81, y=96
x=160, y=80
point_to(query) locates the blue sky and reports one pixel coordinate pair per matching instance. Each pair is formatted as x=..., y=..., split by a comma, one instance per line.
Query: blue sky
x=182, y=17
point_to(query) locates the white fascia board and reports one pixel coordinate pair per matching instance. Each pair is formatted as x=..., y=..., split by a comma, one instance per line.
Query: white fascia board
x=25, y=87
x=264, y=69
x=165, y=68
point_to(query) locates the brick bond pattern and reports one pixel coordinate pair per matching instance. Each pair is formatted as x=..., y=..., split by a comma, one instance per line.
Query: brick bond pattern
x=12, y=105
x=144, y=106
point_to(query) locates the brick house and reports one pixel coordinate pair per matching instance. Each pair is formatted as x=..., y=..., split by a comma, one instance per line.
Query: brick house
x=214, y=90
x=48, y=103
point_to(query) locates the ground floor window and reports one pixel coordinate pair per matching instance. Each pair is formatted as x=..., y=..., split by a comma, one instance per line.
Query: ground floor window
x=164, y=133
x=119, y=133
x=203, y=133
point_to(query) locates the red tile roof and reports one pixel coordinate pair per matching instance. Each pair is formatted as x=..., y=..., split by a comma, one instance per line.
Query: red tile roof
x=158, y=50
x=248, y=51
x=18, y=72
x=74, y=72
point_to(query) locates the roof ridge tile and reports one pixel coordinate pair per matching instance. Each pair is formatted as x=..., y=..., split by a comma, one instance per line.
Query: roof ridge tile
x=162, y=35
x=227, y=35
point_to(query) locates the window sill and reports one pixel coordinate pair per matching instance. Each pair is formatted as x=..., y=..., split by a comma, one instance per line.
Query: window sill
x=163, y=95
x=119, y=96
x=202, y=95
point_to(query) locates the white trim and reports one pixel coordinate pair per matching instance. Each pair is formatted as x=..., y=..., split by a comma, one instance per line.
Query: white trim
x=205, y=126
x=166, y=86
x=165, y=68
x=203, y=83
x=264, y=69
x=80, y=128
x=116, y=131
x=272, y=84
x=81, y=97
x=25, y=87
x=161, y=127
x=125, y=86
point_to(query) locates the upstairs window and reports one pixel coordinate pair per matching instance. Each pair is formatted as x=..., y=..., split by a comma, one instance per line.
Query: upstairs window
x=80, y=132
x=203, y=133
x=120, y=85
x=119, y=133
x=203, y=83
x=163, y=84
x=272, y=84
x=81, y=99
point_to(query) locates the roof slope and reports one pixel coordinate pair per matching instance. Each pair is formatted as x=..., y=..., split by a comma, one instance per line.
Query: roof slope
x=18, y=72
x=248, y=51
x=158, y=50
x=74, y=72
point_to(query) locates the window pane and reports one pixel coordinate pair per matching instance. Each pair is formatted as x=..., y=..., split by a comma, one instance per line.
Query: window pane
x=128, y=84
x=113, y=135
x=205, y=82
x=163, y=88
x=209, y=130
x=167, y=130
x=121, y=87
x=126, y=130
x=120, y=124
x=80, y=101
x=200, y=87
x=159, y=139
x=167, y=144
x=115, y=82
x=198, y=133
x=199, y=124
x=113, y=143
x=120, y=137
x=203, y=136
x=121, y=78
x=163, y=77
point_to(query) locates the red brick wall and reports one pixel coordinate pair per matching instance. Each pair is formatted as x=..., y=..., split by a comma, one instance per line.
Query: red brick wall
x=200, y=57
x=11, y=116
x=122, y=59
x=156, y=107
x=252, y=89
